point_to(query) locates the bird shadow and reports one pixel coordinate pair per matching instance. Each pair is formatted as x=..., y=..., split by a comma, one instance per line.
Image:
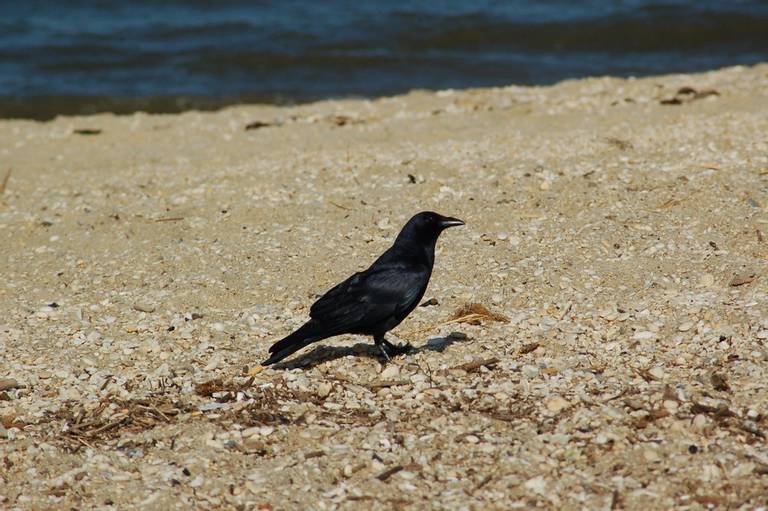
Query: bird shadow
x=322, y=354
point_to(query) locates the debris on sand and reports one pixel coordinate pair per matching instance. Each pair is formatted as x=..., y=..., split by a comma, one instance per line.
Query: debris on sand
x=475, y=313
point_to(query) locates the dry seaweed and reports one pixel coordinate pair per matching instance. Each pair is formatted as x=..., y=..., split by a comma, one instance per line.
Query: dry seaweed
x=475, y=313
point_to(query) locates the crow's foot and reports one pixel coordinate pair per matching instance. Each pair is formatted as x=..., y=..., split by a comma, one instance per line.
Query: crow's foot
x=397, y=349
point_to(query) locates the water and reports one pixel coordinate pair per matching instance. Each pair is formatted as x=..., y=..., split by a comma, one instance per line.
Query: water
x=83, y=56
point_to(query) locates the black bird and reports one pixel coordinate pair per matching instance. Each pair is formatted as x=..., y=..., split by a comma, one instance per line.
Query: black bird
x=376, y=300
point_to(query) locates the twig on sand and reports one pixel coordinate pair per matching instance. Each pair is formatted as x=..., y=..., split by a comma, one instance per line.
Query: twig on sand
x=387, y=383
x=4, y=182
x=477, y=364
x=340, y=206
x=389, y=473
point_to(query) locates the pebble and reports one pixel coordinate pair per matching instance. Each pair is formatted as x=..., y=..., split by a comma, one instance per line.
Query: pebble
x=684, y=327
x=391, y=372
x=530, y=371
x=671, y=405
x=144, y=307
x=556, y=404
x=537, y=485
x=651, y=455
x=602, y=439
x=743, y=470
x=323, y=389
x=8, y=384
x=701, y=422
x=643, y=335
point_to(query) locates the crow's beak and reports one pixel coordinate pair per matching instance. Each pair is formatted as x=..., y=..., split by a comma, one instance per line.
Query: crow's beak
x=450, y=222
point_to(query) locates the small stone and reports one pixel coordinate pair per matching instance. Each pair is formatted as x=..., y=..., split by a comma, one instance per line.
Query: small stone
x=530, y=371
x=266, y=430
x=762, y=334
x=8, y=384
x=701, y=423
x=657, y=372
x=684, y=327
x=143, y=307
x=472, y=439
x=70, y=394
x=602, y=439
x=651, y=455
x=644, y=335
x=390, y=372
x=252, y=431
x=537, y=485
x=219, y=327
x=709, y=473
x=706, y=280
x=545, y=185
x=135, y=453
x=253, y=443
x=752, y=427
x=743, y=279
x=556, y=404
x=670, y=405
x=323, y=389
x=743, y=470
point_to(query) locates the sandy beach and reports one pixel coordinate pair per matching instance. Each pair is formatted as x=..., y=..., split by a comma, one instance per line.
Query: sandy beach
x=616, y=233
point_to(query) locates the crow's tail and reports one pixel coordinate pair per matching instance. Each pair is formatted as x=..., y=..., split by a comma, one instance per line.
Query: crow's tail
x=310, y=332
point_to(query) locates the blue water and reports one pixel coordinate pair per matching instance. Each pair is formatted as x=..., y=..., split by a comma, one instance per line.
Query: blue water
x=83, y=56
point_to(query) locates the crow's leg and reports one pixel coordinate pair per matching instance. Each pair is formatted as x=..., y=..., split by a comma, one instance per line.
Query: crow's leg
x=382, y=343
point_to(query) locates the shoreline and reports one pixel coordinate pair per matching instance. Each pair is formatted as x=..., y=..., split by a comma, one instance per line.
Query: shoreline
x=48, y=108
x=619, y=225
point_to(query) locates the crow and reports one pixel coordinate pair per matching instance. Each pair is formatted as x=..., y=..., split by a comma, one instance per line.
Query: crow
x=376, y=300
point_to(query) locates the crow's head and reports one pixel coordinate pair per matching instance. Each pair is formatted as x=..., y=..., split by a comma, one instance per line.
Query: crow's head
x=428, y=225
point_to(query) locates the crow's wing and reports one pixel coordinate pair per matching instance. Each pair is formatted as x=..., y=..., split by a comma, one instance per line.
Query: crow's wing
x=370, y=298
